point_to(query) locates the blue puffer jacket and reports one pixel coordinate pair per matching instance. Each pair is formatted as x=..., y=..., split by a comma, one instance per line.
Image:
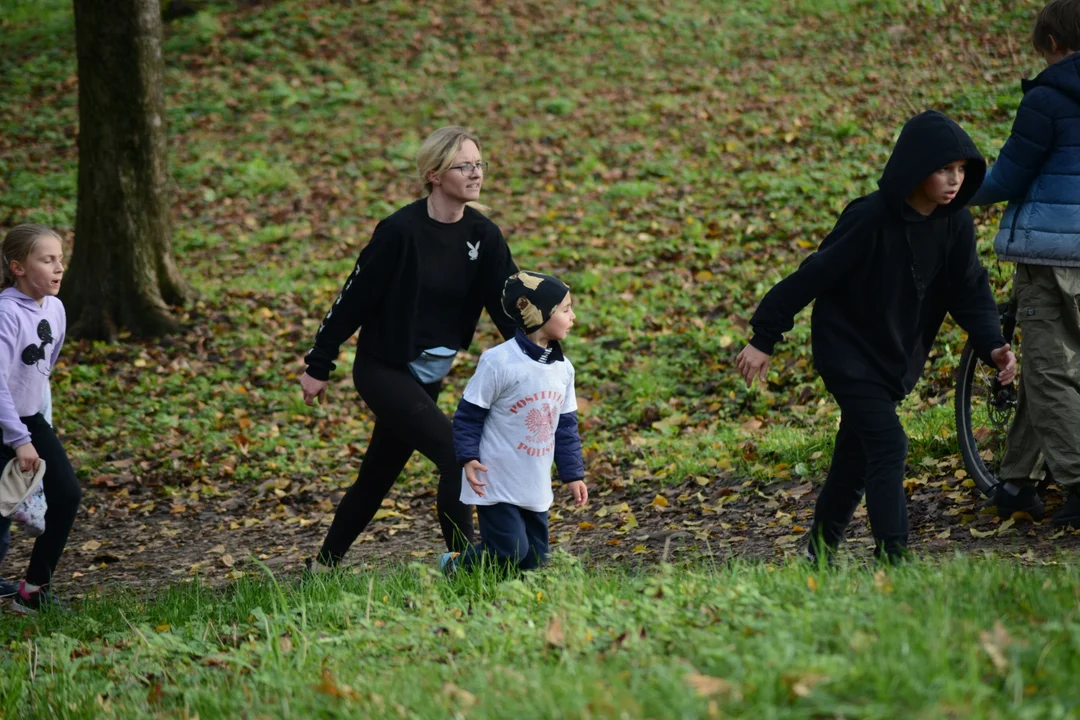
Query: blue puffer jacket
x=1038, y=172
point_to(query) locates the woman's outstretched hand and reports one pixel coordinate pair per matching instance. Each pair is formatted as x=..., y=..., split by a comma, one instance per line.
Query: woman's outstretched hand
x=313, y=389
x=752, y=363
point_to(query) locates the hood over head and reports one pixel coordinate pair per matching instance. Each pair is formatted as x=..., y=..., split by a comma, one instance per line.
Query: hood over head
x=928, y=142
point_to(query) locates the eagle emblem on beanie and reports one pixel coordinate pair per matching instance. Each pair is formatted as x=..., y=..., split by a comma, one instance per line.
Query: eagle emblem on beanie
x=529, y=298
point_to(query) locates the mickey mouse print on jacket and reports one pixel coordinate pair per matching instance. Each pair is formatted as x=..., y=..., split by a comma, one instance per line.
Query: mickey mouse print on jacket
x=31, y=336
x=524, y=400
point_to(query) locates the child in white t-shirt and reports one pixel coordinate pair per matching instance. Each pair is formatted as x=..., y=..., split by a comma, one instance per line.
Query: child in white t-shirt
x=518, y=414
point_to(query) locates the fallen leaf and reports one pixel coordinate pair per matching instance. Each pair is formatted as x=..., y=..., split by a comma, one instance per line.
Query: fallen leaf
x=285, y=644
x=586, y=526
x=227, y=560
x=462, y=698
x=944, y=534
x=554, y=633
x=671, y=421
x=811, y=583
x=797, y=492
x=330, y=686
x=660, y=501
x=707, y=685
x=995, y=642
x=90, y=546
x=801, y=685
x=882, y=582
x=609, y=509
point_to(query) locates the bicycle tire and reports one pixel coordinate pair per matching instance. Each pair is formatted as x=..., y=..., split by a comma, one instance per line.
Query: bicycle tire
x=981, y=439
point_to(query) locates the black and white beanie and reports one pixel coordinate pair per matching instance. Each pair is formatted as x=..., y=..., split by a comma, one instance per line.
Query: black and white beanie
x=530, y=298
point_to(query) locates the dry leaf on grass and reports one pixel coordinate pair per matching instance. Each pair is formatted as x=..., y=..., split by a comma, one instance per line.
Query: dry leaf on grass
x=709, y=686
x=460, y=697
x=554, y=634
x=996, y=642
x=801, y=685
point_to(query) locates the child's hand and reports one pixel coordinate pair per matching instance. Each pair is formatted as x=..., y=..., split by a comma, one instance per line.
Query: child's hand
x=471, y=468
x=28, y=457
x=313, y=389
x=1005, y=360
x=752, y=363
x=581, y=493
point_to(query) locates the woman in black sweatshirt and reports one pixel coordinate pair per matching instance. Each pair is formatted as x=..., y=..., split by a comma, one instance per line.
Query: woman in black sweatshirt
x=896, y=262
x=416, y=295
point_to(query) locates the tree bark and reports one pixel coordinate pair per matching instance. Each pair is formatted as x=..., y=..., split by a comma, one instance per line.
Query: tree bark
x=122, y=274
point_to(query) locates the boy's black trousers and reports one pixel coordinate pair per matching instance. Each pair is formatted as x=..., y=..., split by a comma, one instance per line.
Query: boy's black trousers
x=871, y=449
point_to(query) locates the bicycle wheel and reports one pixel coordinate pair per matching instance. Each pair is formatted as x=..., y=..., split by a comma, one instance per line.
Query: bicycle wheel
x=984, y=413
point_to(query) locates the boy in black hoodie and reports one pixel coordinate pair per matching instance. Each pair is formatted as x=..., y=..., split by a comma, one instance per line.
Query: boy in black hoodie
x=896, y=262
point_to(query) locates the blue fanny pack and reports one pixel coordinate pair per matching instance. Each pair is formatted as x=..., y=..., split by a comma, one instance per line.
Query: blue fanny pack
x=433, y=364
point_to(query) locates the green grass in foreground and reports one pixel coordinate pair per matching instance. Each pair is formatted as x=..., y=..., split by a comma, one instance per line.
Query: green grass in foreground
x=969, y=637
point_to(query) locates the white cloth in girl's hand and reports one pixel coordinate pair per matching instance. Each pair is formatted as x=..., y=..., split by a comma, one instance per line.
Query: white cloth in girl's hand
x=22, y=497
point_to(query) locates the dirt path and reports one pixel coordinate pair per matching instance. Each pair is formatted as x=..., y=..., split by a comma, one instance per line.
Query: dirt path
x=135, y=537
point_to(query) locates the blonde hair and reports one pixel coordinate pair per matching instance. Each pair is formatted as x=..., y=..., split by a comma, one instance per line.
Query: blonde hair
x=17, y=246
x=437, y=153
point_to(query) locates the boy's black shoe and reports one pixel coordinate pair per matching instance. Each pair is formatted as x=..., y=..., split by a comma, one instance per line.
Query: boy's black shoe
x=892, y=555
x=1026, y=499
x=1068, y=515
x=818, y=550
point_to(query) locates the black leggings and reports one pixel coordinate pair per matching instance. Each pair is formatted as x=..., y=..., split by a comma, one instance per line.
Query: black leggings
x=406, y=419
x=62, y=493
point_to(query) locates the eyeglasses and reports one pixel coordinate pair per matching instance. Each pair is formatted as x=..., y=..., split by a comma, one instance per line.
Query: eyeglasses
x=466, y=169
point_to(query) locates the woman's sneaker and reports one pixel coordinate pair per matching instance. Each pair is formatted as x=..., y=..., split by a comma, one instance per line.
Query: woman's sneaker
x=26, y=602
x=313, y=567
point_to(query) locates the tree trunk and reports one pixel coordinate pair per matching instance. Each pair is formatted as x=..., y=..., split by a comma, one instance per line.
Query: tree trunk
x=122, y=274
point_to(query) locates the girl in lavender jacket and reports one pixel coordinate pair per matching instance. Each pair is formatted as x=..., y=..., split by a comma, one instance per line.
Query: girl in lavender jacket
x=32, y=326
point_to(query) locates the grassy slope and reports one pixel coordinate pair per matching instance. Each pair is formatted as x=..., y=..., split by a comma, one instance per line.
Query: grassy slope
x=671, y=162
x=682, y=161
